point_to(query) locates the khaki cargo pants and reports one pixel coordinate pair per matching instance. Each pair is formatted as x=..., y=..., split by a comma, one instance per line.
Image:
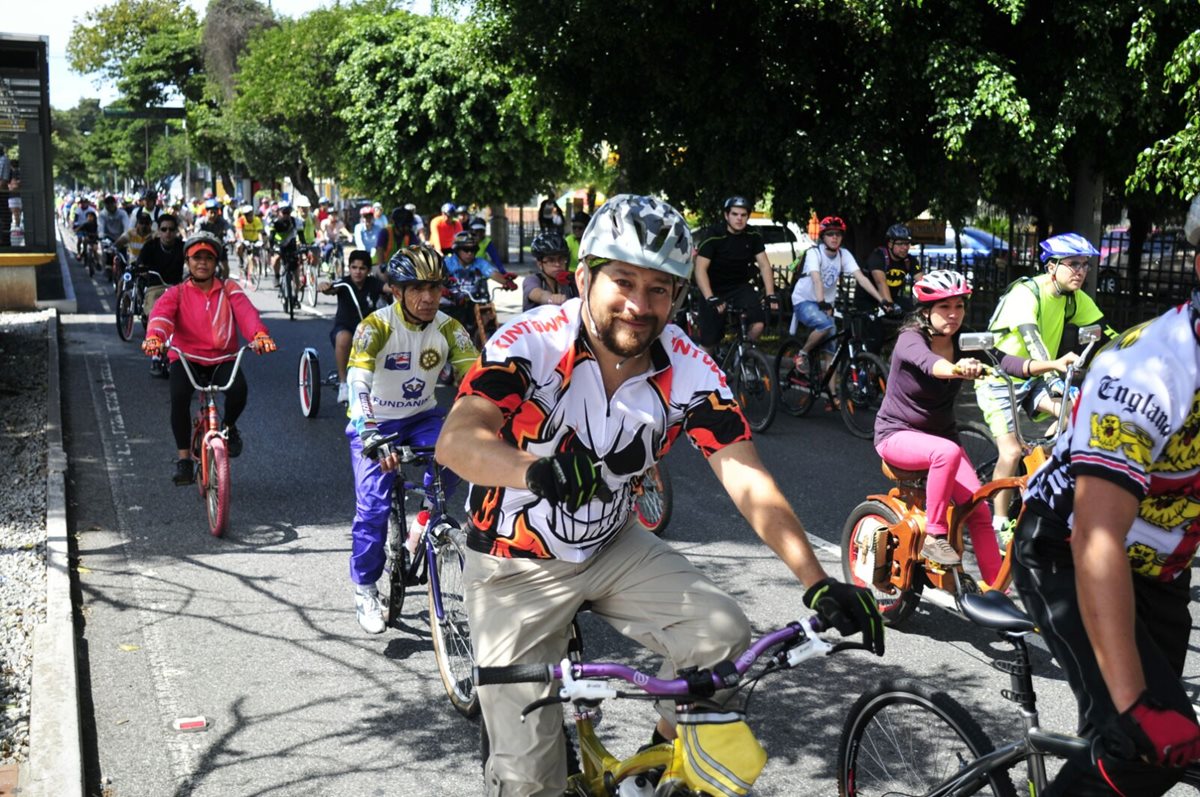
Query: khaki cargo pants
x=520, y=612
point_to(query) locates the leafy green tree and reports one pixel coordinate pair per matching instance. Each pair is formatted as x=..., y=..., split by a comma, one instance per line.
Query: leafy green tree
x=428, y=115
x=149, y=48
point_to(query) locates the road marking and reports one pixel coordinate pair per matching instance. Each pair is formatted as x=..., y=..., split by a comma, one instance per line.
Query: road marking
x=183, y=751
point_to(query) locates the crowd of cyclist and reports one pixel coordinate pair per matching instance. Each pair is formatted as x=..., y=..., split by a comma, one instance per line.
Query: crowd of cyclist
x=547, y=490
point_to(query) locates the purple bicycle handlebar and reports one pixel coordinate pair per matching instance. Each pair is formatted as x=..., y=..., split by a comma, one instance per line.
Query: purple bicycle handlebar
x=678, y=687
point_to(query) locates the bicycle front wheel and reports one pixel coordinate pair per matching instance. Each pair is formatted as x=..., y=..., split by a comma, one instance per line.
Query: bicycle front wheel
x=396, y=559
x=653, y=505
x=309, y=382
x=797, y=392
x=980, y=448
x=125, y=315
x=867, y=553
x=753, y=386
x=310, y=286
x=217, y=486
x=252, y=272
x=861, y=386
x=904, y=738
x=448, y=619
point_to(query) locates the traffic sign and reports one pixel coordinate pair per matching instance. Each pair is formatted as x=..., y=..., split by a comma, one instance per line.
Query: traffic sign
x=162, y=112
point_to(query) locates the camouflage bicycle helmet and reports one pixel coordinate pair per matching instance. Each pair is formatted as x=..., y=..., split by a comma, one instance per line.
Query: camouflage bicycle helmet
x=416, y=264
x=939, y=285
x=641, y=230
x=547, y=244
x=464, y=240
x=1069, y=244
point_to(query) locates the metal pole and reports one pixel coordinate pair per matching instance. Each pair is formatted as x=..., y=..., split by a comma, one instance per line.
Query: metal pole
x=187, y=168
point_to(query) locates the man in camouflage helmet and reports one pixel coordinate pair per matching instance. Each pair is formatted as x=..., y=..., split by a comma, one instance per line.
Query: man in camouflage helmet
x=567, y=405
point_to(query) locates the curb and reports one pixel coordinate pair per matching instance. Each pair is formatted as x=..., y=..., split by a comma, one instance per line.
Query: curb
x=55, y=740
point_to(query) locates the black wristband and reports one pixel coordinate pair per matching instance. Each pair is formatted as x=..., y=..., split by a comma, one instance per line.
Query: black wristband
x=713, y=300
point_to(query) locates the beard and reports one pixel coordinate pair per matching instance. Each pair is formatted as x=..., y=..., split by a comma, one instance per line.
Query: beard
x=625, y=342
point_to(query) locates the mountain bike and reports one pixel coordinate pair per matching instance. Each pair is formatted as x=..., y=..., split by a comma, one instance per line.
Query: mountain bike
x=438, y=563
x=653, y=499
x=858, y=376
x=309, y=273
x=254, y=269
x=131, y=299
x=748, y=371
x=883, y=536
x=904, y=738
x=91, y=258
x=287, y=293
x=334, y=260
x=474, y=307
x=210, y=445
x=684, y=766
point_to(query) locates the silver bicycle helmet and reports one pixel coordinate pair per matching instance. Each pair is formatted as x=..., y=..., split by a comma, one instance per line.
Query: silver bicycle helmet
x=641, y=230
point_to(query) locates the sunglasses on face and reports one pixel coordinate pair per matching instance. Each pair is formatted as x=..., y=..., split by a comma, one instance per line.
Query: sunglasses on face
x=167, y=229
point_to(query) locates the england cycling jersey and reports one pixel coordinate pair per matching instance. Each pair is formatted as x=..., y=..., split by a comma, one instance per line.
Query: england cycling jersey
x=539, y=370
x=1137, y=425
x=398, y=362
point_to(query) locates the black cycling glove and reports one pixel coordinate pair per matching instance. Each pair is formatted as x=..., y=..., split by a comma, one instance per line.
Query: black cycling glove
x=824, y=307
x=569, y=479
x=373, y=445
x=848, y=609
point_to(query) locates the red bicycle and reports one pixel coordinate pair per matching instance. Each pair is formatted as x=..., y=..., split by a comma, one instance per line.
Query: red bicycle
x=210, y=445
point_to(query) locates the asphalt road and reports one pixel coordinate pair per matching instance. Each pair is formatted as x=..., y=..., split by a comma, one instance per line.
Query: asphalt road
x=256, y=631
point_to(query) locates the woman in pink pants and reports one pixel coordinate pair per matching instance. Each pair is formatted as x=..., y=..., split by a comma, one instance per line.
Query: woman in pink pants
x=916, y=427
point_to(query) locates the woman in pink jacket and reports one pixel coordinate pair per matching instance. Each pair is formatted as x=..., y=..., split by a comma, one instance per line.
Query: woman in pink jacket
x=202, y=316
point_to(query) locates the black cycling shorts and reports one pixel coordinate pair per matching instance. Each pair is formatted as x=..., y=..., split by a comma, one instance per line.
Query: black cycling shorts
x=744, y=297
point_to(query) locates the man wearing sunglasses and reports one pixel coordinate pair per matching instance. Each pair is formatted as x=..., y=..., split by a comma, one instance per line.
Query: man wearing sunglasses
x=1029, y=322
x=579, y=223
x=164, y=255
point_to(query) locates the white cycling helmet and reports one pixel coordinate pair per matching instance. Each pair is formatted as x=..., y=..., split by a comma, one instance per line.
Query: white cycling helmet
x=939, y=285
x=641, y=230
x=303, y=202
x=1191, y=227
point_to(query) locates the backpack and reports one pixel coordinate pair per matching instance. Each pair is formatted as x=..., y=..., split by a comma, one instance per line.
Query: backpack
x=1031, y=284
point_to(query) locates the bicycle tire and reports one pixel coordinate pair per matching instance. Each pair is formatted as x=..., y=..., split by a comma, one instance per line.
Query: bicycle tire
x=904, y=738
x=89, y=260
x=753, y=386
x=796, y=392
x=862, y=382
x=310, y=285
x=288, y=285
x=309, y=383
x=860, y=535
x=450, y=631
x=218, y=485
x=396, y=560
x=125, y=315
x=980, y=448
x=250, y=269
x=654, y=504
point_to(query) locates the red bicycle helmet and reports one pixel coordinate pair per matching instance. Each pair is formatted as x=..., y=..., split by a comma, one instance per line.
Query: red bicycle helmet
x=942, y=284
x=832, y=223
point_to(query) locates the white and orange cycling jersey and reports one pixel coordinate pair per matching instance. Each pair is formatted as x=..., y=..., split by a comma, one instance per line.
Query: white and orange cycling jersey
x=1137, y=425
x=541, y=374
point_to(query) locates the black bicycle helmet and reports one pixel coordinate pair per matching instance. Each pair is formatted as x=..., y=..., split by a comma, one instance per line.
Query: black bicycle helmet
x=402, y=217
x=416, y=264
x=547, y=244
x=898, y=232
x=738, y=202
x=465, y=240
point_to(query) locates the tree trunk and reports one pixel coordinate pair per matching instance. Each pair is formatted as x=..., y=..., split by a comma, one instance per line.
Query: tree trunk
x=1087, y=189
x=302, y=182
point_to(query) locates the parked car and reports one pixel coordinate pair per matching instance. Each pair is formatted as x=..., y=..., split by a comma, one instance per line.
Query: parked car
x=1165, y=265
x=784, y=242
x=945, y=255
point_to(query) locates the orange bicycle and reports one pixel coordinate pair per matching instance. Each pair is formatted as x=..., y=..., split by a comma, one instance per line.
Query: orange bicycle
x=210, y=445
x=883, y=537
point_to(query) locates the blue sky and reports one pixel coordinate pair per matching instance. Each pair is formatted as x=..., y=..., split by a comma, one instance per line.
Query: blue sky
x=58, y=19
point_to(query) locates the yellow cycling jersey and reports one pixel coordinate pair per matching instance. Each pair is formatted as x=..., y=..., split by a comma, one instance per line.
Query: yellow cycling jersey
x=401, y=361
x=252, y=228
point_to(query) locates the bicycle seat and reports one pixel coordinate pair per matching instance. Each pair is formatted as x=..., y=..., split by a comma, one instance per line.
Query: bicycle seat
x=901, y=475
x=996, y=611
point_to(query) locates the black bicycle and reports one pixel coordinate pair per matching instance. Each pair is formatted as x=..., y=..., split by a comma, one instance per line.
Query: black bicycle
x=748, y=371
x=854, y=382
x=438, y=563
x=131, y=299
x=289, y=256
x=904, y=738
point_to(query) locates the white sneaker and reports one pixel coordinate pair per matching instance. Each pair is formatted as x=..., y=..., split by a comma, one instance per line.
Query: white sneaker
x=343, y=393
x=937, y=549
x=415, y=530
x=369, y=608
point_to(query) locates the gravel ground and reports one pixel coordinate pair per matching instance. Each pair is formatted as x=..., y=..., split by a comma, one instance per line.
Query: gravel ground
x=23, y=385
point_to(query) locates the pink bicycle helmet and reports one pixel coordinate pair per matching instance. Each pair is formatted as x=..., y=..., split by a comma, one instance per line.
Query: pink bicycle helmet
x=942, y=284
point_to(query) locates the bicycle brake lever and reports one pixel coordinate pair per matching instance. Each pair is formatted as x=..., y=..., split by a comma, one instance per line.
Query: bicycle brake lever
x=542, y=703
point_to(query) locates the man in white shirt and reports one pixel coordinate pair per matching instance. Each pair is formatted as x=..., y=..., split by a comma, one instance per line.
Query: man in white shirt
x=816, y=289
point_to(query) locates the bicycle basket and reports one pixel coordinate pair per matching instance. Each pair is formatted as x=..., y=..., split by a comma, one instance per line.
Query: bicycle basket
x=716, y=753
